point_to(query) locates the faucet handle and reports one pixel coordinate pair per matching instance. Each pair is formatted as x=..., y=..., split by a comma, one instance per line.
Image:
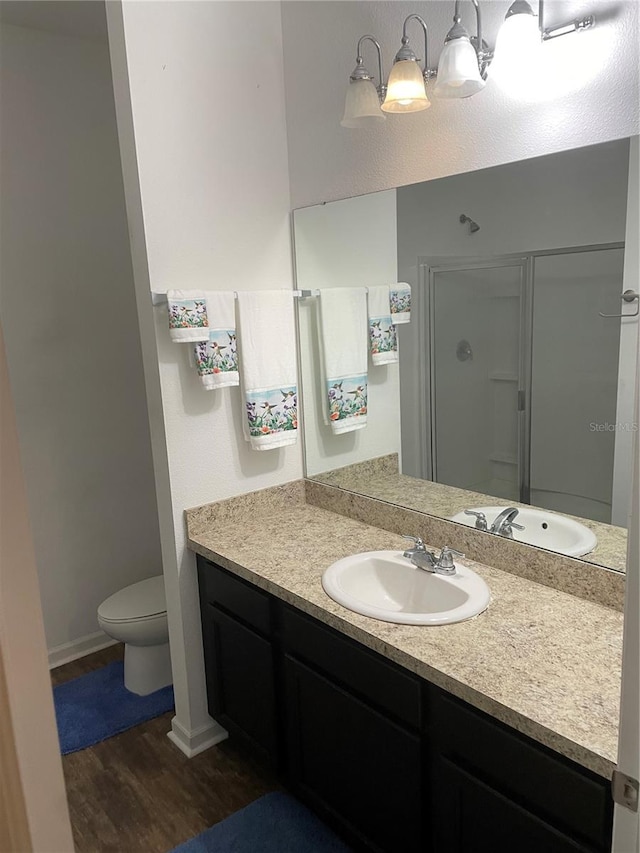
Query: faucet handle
x=418, y=544
x=517, y=526
x=481, y=518
x=445, y=560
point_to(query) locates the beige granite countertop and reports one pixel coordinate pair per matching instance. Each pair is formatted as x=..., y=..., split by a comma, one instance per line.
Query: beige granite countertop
x=379, y=478
x=543, y=661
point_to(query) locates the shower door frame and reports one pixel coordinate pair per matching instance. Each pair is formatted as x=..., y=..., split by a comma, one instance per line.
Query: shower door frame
x=428, y=271
x=428, y=267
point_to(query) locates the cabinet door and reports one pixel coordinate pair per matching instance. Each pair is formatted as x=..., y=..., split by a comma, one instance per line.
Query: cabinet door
x=352, y=762
x=473, y=818
x=240, y=681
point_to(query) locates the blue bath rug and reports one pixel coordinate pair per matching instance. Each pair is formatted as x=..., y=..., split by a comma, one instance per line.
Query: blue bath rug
x=276, y=823
x=97, y=706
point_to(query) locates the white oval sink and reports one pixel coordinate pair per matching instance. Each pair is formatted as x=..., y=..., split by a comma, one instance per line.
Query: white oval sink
x=385, y=585
x=542, y=529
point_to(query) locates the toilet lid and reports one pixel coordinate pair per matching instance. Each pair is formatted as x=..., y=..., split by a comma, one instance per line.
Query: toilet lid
x=137, y=601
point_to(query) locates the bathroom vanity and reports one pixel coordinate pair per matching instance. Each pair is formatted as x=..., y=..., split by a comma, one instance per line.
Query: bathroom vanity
x=496, y=734
x=392, y=762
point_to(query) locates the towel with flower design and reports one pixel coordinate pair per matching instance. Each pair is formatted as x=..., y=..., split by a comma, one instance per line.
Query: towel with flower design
x=272, y=411
x=188, y=319
x=400, y=301
x=383, y=340
x=347, y=396
x=217, y=359
x=268, y=367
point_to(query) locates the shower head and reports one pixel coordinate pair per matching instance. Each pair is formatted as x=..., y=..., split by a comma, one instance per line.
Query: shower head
x=473, y=226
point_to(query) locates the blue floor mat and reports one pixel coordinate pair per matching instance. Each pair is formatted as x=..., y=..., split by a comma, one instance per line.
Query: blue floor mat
x=97, y=706
x=276, y=823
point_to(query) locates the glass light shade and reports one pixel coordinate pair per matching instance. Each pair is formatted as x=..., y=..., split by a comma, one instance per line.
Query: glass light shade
x=362, y=105
x=518, y=50
x=458, y=73
x=406, y=92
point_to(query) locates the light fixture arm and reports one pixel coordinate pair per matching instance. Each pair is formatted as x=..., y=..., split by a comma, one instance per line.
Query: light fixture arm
x=361, y=73
x=482, y=50
x=406, y=52
x=458, y=20
x=574, y=26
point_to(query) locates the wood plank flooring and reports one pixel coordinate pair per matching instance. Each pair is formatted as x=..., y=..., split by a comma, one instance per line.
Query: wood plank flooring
x=137, y=793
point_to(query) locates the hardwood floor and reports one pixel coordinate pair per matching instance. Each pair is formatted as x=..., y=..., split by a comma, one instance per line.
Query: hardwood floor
x=137, y=793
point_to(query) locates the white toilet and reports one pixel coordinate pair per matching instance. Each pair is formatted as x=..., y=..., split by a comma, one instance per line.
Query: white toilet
x=137, y=617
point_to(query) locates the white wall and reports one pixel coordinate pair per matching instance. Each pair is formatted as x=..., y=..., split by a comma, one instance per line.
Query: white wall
x=201, y=120
x=328, y=161
x=573, y=198
x=348, y=243
x=71, y=330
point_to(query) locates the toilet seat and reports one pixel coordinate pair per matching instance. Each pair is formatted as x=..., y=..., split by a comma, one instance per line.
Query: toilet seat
x=141, y=602
x=156, y=617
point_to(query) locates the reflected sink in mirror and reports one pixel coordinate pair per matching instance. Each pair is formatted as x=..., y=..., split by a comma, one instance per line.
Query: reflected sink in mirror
x=542, y=529
x=385, y=585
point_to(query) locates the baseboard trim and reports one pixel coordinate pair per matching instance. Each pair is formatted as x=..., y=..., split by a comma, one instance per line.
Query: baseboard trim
x=195, y=742
x=68, y=652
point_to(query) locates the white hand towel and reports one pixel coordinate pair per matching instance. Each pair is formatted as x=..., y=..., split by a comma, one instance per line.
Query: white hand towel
x=268, y=366
x=400, y=302
x=217, y=358
x=383, y=340
x=188, y=320
x=343, y=341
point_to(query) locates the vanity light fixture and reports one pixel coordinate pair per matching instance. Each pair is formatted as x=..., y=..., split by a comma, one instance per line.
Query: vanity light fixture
x=362, y=103
x=406, y=90
x=462, y=69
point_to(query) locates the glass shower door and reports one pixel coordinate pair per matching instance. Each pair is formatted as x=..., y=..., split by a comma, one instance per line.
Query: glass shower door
x=477, y=373
x=574, y=387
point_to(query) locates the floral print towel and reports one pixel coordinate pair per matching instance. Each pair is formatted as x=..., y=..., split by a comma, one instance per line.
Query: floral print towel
x=383, y=340
x=270, y=414
x=217, y=359
x=347, y=397
x=188, y=320
x=400, y=300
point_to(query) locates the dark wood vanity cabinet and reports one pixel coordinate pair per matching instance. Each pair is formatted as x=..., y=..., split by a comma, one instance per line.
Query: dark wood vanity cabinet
x=393, y=763
x=239, y=660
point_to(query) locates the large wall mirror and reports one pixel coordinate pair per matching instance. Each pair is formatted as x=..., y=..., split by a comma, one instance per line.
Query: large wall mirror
x=516, y=374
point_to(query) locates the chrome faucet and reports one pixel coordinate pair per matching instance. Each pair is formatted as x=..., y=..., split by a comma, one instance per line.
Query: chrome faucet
x=419, y=556
x=504, y=524
x=427, y=560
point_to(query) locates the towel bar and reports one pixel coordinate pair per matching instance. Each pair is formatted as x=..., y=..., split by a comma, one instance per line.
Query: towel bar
x=161, y=298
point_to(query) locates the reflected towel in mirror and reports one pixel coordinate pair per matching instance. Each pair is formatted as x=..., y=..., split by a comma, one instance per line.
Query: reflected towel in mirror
x=383, y=340
x=342, y=334
x=400, y=301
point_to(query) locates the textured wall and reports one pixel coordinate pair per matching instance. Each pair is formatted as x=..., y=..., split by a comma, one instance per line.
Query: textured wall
x=211, y=152
x=349, y=243
x=328, y=161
